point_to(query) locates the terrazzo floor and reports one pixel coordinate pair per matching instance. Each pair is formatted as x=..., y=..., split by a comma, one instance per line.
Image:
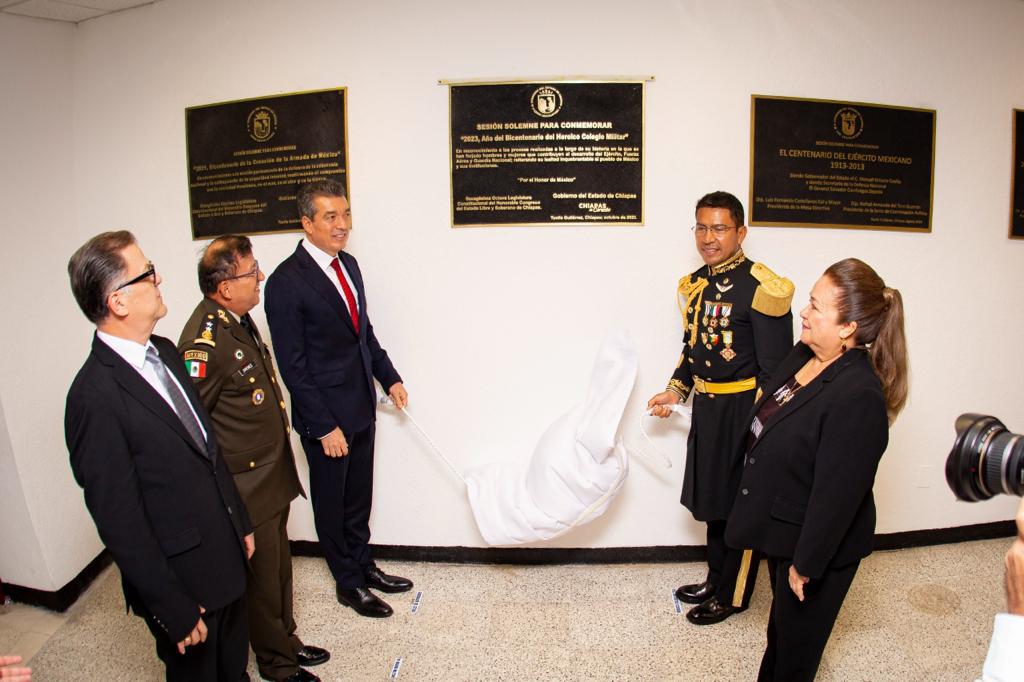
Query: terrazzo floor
x=917, y=614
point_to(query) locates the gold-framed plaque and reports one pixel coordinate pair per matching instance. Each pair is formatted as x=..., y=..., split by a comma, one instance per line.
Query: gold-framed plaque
x=828, y=163
x=1017, y=181
x=546, y=153
x=247, y=158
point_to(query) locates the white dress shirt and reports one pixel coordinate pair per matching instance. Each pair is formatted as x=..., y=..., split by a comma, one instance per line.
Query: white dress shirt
x=323, y=260
x=135, y=355
x=1005, y=660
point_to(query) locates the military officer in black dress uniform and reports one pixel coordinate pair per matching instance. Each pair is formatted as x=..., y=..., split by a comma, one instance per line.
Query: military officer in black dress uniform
x=737, y=327
x=233, y=371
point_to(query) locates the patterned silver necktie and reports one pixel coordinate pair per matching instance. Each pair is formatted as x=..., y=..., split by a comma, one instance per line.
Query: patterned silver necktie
x=181, y=406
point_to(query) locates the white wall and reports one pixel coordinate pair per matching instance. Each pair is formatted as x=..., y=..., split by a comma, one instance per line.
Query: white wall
x=45, y=534
x=494, y=329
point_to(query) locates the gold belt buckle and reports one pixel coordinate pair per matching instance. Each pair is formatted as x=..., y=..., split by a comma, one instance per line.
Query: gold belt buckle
x=699, y=385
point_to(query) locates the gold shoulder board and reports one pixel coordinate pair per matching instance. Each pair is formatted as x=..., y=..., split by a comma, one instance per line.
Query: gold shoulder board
x=774, y=294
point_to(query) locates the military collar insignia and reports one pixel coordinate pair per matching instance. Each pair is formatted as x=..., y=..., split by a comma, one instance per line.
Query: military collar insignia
x=223, y=316
x=731, y=263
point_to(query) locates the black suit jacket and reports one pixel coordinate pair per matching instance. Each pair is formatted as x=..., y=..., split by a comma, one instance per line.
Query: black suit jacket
x=329, y=368
x=168, y=512
x=805, y=492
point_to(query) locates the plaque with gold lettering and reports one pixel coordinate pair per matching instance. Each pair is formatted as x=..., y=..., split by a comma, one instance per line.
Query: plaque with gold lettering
x=247, y=158
x=823, y=163
x=547, y=153
x=1017, y=196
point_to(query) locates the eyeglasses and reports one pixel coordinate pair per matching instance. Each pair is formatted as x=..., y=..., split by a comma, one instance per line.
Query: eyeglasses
x=717, y=230
x=149, y=273
x=252, y=273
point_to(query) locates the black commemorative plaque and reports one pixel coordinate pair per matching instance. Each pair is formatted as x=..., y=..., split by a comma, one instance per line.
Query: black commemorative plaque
x=824, y=163
x=1017, y=209
x=547, y=153
x=247, y=158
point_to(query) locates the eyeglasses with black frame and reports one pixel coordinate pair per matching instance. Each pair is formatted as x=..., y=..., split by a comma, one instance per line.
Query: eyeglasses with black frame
x=252, y=273
x=717, y=230
x=150, y=272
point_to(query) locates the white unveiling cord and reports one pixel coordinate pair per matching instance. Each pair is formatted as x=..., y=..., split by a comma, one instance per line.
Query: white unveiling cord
x=386, y=400
x=681, y=410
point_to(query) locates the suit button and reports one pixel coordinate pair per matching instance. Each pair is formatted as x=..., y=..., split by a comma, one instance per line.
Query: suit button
x=287, y=429
x=751, y=460
x=231, y=512
x=252, y=380
x=282, y=404
x=745, y=491
x=273, y=380
x=252, y=465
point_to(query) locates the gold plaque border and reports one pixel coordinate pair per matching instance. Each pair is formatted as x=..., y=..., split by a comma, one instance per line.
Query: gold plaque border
x=543, y=81
x=1013, y=169
x=833, y=226
x=344, y=99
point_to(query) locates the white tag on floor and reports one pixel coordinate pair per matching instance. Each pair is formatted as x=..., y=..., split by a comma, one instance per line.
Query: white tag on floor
x=675, y=602
x=416, y=602
x=395, y=668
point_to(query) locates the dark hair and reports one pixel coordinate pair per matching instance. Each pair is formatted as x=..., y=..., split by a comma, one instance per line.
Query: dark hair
x=318, y=188
x=220, y=260
x=723, y=200
x=94, y=270
x=878, y=311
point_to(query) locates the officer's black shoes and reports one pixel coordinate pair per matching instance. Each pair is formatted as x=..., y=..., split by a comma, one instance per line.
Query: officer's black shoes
x=363, y=602
x=696, y=593
x=309, y=656
x=379, y=580
x=710, y=612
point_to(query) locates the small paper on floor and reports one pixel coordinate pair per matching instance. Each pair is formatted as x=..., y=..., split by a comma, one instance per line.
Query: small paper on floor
x=416, y=602
x=395, y=668
x=675, y=602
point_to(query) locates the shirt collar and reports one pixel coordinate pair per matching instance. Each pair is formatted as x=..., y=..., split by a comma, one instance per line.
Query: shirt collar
x=322, y=258
x=131, y=352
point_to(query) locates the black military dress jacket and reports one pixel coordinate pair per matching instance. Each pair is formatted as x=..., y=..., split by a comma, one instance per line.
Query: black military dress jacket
x=737, y=326
x=805, y=492
x=234, y=374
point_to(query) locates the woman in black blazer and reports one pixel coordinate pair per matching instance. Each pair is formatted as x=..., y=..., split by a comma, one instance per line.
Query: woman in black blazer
x=817, y=434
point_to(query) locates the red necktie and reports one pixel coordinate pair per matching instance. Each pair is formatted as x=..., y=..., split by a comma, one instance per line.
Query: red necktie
x=352, y=309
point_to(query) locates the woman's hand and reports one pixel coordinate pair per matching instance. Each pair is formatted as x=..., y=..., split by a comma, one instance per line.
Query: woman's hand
x=797, y=582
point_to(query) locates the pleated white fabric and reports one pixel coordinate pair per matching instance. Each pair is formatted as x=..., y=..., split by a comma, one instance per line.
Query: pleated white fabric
x=577, y=466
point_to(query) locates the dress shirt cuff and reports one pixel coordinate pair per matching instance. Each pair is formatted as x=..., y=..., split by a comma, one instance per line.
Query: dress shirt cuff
x=1006, y=651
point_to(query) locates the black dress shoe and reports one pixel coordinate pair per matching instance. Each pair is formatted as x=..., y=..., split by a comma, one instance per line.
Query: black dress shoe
x=695, y=593
x=308, y=656
x=302, y=676
x=379, y=580
x=710, y=612
x=363, y=602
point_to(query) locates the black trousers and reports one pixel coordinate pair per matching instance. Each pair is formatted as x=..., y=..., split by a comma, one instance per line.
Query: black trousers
x=799, y=630
x=223, y=657
x=732, y=572
x=269, y=596
x=341, y=489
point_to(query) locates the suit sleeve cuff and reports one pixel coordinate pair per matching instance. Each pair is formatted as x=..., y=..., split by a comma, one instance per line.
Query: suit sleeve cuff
x=679, y=388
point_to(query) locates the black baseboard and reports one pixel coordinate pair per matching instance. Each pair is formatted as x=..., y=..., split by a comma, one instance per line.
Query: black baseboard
x=641, y=555
x=67, y=595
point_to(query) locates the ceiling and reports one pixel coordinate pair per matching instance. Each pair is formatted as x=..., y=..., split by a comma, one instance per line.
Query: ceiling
x=72, y=12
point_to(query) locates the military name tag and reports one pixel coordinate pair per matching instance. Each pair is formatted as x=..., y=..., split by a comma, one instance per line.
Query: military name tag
x=247, y=368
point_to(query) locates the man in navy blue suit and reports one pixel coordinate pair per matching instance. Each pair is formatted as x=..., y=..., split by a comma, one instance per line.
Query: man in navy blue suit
x=329, y=357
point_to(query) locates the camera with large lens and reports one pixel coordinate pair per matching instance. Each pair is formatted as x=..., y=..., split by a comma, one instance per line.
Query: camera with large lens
x=986, y=459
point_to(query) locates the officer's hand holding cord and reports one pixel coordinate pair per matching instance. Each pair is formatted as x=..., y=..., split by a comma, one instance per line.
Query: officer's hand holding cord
x=335, y=444
x=661, y=404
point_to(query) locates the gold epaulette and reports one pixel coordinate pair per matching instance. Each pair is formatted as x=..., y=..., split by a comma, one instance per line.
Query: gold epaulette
x=688, y=284
x=774, y=294
x=207, y=332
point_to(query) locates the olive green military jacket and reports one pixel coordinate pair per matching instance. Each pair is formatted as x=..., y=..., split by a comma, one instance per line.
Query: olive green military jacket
x=233, y=371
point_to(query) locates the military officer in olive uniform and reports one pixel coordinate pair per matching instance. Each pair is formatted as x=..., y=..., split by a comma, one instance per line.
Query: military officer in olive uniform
x=737, y=327
x=233, y=371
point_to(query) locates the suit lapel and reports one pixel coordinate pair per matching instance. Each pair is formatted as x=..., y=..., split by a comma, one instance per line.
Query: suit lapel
x=138, y=388
x=317, y=279
x=803, y=395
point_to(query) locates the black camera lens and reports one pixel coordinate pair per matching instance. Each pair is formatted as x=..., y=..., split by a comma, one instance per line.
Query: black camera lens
x=986, y=459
